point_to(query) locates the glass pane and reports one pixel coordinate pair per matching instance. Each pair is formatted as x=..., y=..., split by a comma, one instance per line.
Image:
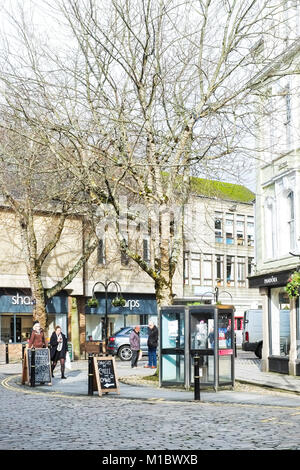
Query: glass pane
x=172, y=368
x=172, y=329
x=206, y=370
x=225, y=369
x=202, y=330
x=224, y=331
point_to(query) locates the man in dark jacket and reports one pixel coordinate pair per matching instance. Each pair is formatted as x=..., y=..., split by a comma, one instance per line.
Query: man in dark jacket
x=152, y=345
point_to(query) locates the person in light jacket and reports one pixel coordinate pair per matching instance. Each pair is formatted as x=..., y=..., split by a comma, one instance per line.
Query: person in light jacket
x=59, y=348
x=135, y=345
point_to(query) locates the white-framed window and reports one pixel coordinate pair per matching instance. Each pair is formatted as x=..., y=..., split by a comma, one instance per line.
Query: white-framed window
x=229, y=229
x=186, y=266
x=219, y=269
x=101, y=256
x=230, y=267
x=250, y=230
x=241, y=271
x=207, y=270
x=195, y=269
x=291, y=219
x=240, y=229
x=269, y=228
x=218, y=227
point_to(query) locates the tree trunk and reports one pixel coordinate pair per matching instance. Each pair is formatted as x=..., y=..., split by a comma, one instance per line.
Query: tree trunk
x=75, y=337
x=39, y=301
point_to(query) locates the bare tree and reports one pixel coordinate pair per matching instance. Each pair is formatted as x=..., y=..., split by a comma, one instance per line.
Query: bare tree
x=43, y=197
x=148, y=93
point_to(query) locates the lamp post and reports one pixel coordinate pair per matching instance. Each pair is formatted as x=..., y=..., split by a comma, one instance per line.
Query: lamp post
x=106, y=285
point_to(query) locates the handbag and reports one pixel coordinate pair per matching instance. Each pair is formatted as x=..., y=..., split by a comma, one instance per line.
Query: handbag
x=140, y=354
x=68, y=361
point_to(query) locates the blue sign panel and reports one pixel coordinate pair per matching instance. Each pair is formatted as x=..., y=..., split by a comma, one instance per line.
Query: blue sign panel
x=20, y=302
x=143, y=304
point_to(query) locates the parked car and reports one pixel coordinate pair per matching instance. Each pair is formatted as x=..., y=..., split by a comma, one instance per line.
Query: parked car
x=118, y=343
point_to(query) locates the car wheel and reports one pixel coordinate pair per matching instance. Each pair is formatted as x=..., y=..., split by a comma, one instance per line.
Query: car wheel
x=125, y=353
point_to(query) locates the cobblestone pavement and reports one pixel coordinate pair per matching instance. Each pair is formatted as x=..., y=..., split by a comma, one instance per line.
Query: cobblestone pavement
x=44, y=421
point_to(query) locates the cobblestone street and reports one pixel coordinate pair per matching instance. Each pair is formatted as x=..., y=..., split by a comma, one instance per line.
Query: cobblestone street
x=33, y=420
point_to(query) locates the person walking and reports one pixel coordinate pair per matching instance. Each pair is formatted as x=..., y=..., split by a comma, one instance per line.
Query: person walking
x=59, y=348
x=152, y=343
x=135, y=345
x=37, y=338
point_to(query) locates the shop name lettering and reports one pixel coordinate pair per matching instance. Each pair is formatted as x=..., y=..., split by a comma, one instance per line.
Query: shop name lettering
x=270, y=280
x=151, y=460
x=132, y=304
x=19, y=299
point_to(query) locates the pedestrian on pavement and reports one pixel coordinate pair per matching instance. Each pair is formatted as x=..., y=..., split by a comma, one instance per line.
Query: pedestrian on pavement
x=37, y=338
x=152, y=343
x=135, y=345
x=59, y=349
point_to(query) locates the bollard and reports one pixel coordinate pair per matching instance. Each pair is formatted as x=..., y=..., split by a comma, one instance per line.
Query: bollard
x=32, y=375
x=6, y=354
x=91, y=374
x=23, y=351
x=196, y=378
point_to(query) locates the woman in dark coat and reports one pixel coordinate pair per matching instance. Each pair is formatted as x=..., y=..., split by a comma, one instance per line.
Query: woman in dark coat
x=59, y=348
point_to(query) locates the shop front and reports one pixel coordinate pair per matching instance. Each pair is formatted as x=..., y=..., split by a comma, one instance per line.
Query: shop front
x=138, y=310
x=16, y=314
x=281, y=327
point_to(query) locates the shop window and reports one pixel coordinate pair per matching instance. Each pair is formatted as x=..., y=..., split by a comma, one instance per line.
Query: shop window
x=280, y=323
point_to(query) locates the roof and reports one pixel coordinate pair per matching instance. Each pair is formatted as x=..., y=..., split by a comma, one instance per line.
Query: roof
x=221, y=190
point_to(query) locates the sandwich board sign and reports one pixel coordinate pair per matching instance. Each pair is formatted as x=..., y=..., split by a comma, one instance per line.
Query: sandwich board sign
x=42, y=366
x=105, y=375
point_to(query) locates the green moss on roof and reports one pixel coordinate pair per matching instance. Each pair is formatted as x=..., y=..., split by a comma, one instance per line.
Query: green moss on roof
x=221, y=190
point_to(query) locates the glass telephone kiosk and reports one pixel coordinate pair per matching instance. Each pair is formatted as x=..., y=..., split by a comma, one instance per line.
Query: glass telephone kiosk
x=205, y=331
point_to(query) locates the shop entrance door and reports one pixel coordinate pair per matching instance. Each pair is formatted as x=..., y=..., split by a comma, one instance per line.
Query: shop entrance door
x=15, y=329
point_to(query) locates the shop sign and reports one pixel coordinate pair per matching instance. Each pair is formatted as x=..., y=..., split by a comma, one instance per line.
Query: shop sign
x=131, y=304
x=276, y=279
x=21, y=300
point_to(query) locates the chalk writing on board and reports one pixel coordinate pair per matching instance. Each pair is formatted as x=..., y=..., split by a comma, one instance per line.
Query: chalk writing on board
x=42, y=365
x=106, y=373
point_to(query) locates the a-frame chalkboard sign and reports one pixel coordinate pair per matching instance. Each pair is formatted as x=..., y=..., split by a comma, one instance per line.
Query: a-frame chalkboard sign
x=105, y=375
x=42, y=366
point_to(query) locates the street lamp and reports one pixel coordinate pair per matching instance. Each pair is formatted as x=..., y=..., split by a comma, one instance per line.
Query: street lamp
x=106, y=285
